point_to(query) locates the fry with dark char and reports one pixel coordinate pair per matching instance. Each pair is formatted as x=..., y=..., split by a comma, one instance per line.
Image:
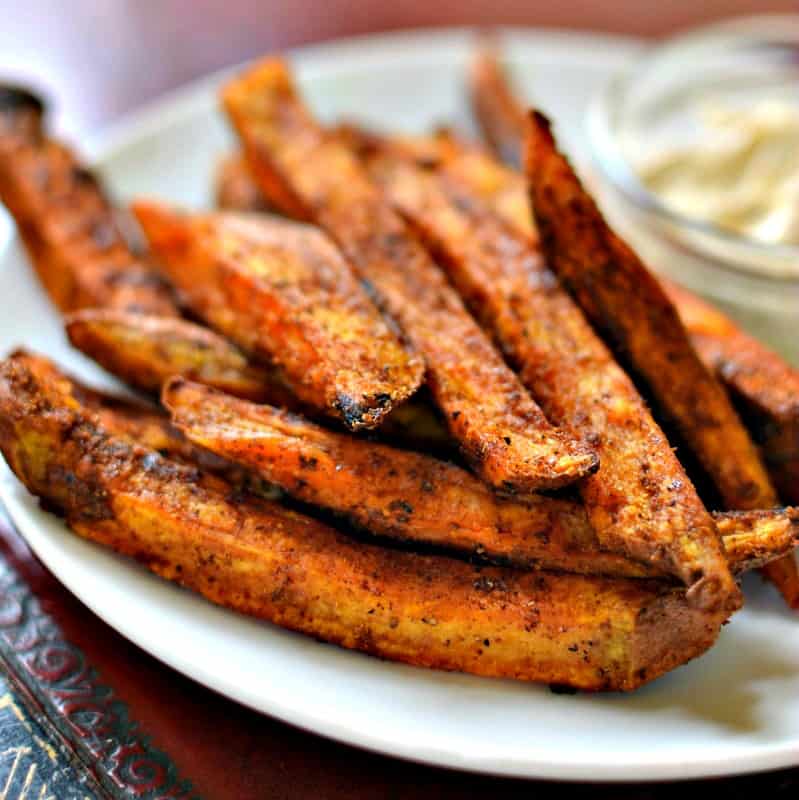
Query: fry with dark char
x=640, y=502
x=145, y=351
x=66, y=222
x=283, y=293
x=413, y=497
x=500, y=116
x=258, y=558
x=763, y=386
x=627, y=304
x=312, y=175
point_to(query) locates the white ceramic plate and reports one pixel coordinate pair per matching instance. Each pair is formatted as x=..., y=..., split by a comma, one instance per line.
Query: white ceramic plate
x=734, y=710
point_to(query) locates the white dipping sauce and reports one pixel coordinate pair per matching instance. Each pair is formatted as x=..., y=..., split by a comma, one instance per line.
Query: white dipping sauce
x=742, y=174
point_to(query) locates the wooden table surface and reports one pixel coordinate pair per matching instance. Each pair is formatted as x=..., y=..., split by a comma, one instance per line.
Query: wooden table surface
x=99, y=58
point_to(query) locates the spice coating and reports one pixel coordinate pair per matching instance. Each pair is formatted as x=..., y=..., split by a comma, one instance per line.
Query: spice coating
x=261, y=559
x=313, y=175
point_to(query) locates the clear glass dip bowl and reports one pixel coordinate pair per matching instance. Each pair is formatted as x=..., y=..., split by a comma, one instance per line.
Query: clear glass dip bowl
x=655, y=104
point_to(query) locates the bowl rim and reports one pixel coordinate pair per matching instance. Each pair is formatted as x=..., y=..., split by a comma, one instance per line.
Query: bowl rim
x=608, y=156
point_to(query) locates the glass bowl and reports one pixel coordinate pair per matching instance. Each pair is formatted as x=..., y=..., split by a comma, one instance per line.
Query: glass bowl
x=657, y=103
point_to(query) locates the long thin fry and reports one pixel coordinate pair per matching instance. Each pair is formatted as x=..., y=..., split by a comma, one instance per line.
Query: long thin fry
x=764, y=387
x=283, y=293
x=626, y=302
x=640, y=502
x=499, y=114
x=314, y=176
x=261, y=559
x=414, y=497
x=778, y=435
x=66, y=222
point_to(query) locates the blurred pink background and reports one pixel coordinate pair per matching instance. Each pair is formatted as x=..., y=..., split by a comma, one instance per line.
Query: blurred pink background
x=99, y=58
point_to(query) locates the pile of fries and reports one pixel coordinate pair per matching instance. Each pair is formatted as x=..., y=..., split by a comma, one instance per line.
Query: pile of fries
x=413, y=400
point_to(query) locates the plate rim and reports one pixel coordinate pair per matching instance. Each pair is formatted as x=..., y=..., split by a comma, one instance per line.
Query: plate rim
x=190, y=99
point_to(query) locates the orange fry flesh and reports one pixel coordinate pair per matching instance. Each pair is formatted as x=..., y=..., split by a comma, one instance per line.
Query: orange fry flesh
x=145, y=351
x=312, y=175
x=68, y=226
x=258, y=558
x=640, y=501
x=282, y=292
x=413, y=497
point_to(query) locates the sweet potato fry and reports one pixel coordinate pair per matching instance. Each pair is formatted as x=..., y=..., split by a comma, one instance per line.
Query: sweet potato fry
x=640, y=502
x=504, y=190
x=145, y=424
x=764, y=388
x=235, y=188
x=499, y=114
x=67, y=224
x=145, y=351
x=282, y=292
x=414, y=497
x=260, y=559
x=765, y=391
x=309, y=174
x=627, y=304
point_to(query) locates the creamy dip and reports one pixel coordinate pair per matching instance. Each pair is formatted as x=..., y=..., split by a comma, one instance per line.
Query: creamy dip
x=742, y=174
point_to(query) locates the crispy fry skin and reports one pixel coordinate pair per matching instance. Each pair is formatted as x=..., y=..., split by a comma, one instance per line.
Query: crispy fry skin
x=145, y=424
x=149, y=427
x=766, y=391
x=410, y=496
x=145, y=351
x=282, y=292
x=235, y=188
x=504, y=190
x=500, y=116
x=68, y=226
x=260, y=559
x=764, y=387
x=623, y=299
x=640, y=501
x=626, y=302
x=314, y=176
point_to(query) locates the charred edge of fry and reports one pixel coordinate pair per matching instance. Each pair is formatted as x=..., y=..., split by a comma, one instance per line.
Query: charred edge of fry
x=283, y=292
x=261, y=559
